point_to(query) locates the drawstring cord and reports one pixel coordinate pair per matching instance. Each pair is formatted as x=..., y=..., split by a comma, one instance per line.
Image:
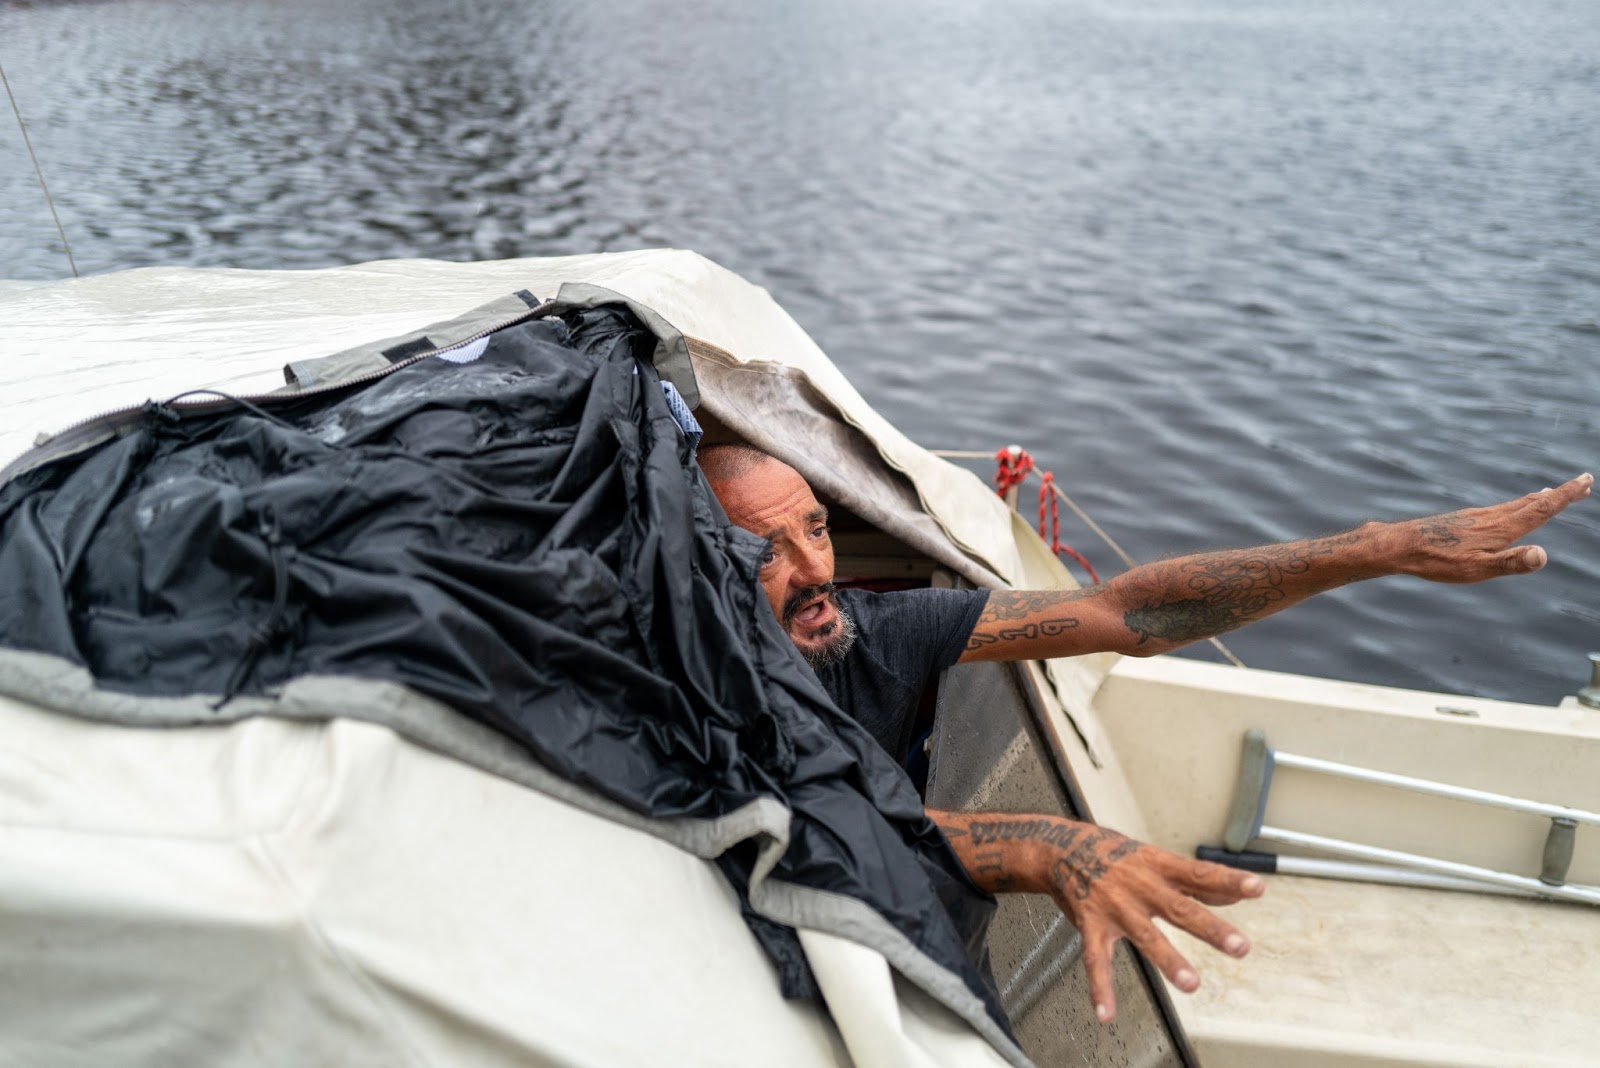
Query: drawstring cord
x=272, y=627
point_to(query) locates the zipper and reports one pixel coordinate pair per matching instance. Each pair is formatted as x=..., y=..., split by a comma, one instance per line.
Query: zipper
x=197, y=407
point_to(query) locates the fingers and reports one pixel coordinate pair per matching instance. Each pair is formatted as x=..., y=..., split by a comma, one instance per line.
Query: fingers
x=1189, y=915
x=1579, y=487
x=1521, y=560
x=1215, y=884
x=1548, y=502
x=1097, y=949
x=1165, y=956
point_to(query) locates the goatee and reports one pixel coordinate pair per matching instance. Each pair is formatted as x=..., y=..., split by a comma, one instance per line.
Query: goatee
x=835, y=644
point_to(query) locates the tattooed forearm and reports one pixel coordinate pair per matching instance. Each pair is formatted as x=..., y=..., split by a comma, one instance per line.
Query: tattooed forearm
x=1014, y=615
x=1044, y=628
x=1020, y=604
x=1199, y=596
x=991, y=872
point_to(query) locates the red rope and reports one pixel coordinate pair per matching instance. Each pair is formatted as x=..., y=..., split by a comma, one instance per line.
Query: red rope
x=1047, y=481
x=1014, y=465
x=1014, y=468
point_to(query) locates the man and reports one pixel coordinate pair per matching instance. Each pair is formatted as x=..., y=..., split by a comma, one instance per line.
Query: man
x=875, y=654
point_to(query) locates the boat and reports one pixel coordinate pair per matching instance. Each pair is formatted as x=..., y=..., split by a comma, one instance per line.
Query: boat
x=327, y=889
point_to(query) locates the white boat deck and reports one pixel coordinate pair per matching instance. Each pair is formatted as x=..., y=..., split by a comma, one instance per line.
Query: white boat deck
x=1357, y=974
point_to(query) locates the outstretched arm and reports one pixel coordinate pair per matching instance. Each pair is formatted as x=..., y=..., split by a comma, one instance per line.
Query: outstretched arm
x=1161, y=606
x=1109, y=886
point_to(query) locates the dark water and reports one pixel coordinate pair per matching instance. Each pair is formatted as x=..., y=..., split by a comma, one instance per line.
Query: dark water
x=1237, y=271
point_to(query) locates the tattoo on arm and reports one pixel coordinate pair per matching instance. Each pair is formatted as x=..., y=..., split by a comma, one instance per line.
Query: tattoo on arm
x=1228, y=589
x=1020, y=604
x=1017, y=606
x=991, y=871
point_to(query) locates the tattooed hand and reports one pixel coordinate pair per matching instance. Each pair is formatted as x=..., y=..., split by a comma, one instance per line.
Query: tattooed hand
x=1110, y=887
x=1475, y=544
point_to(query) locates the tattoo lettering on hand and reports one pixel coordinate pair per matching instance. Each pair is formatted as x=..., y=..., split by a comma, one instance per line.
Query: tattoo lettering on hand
x=1052, y=832
x=1084, y=866
x=1231, y=589
x=1086, y=853
x=1440, y=531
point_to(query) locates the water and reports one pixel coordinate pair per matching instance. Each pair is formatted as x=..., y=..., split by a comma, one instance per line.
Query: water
x=1237, y=271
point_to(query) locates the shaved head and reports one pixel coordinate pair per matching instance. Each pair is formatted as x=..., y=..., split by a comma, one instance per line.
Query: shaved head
x=724, y=463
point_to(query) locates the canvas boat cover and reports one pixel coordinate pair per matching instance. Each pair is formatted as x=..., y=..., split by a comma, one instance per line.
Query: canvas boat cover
x=502, y=551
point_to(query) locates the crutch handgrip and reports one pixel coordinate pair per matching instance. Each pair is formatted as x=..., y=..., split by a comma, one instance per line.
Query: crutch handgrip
x=1558, y=851
x=1250, y=800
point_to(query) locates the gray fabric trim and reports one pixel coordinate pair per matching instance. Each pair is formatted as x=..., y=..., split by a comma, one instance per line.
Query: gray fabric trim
x=301, y=375
x=369, y=358
x=68, y=443
x=671, y=357
x=672, y=350
x=56, y=684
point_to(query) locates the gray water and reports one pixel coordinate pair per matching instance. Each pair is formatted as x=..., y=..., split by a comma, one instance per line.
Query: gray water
x=1237, y=271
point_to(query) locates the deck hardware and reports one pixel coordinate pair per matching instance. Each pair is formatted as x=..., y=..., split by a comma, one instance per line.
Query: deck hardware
x=1590, y=694
x=1456, y=710
x=1558, y=851
x=1247, y=823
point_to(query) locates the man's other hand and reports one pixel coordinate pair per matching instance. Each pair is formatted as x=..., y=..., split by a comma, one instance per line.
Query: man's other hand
x=1110, y=887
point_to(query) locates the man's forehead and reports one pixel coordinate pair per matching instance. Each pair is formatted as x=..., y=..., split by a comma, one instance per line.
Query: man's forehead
x=764, y=497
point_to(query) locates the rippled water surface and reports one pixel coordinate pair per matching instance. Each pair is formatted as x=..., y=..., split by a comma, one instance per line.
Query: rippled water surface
x=1238, y=271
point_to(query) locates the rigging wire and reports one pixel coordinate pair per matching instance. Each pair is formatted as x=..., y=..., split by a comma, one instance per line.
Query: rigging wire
x=48, y=199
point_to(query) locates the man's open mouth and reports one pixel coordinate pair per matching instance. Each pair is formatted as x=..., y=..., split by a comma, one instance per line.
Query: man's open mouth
x=810, y=608
x=814, y=613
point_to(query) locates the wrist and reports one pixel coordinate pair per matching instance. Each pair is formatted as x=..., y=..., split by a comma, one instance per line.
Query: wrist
x=1385, y=549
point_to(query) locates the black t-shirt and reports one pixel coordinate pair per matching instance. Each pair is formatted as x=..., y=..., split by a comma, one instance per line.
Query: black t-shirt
x=903, y=640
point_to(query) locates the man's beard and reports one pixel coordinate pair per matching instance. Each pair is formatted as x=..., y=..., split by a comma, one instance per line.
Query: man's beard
x=835, y=641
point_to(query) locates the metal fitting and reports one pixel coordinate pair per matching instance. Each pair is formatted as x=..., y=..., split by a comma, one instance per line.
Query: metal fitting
x=1590, y=694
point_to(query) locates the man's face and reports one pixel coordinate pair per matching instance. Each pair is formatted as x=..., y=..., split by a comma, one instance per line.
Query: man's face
x=772, y=501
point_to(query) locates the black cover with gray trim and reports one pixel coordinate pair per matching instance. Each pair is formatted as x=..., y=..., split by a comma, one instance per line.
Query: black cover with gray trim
x=526, y=540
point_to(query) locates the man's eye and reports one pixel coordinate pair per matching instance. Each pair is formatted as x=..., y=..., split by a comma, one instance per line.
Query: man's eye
x=820, y=532
x=768, y=557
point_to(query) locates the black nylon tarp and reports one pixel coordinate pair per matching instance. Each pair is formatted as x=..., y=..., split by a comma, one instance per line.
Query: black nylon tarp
x=524, y=538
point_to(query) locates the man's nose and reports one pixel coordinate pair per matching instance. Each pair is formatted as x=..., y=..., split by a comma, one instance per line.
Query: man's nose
x=813, y=568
